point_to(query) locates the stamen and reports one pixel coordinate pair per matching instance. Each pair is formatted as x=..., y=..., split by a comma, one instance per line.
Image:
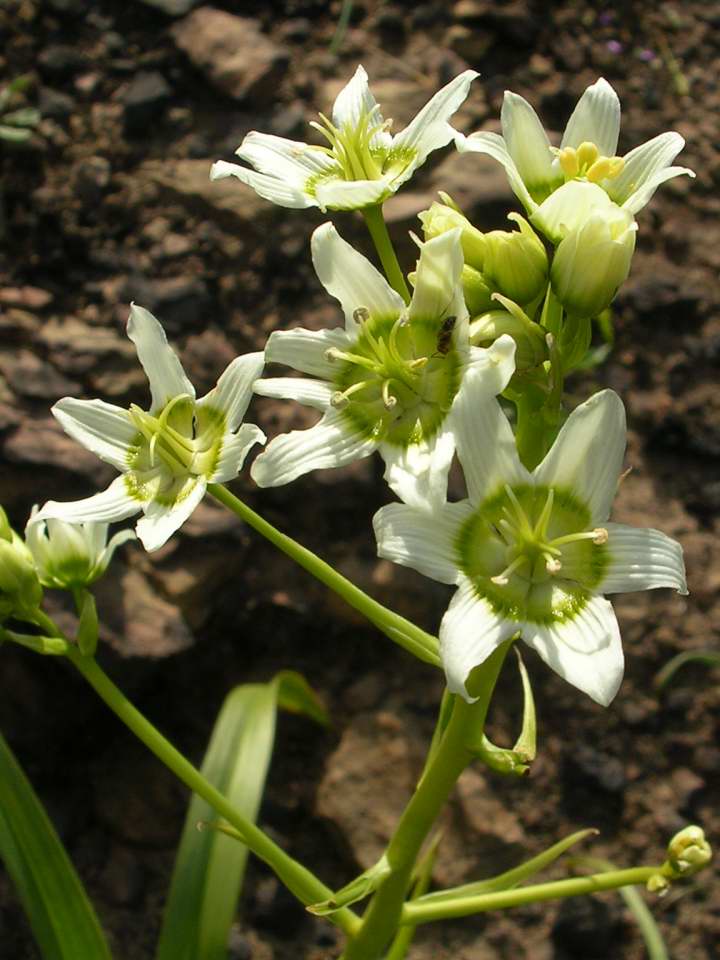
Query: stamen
x=595, y=535
x=587, y=154
x=333, y=353
x=552, y=564
x=569, y=162
x=524, y=523
x=388, y=399
x=341, y=397
x=361, y=315
x=544, y=518
x=599, y=170
x=503, y=578
x=601, y=536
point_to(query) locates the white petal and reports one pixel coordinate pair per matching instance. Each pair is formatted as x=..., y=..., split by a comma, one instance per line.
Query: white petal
x=330, y=443
x=642, y=559
x=430, y=129
x=355, y=104
x=526, y=141
x=494, y=146
x=114, y=503
x=313, y=393
x=265, y=185
x=438, y=290
x=289, y=160
x=305, y=350
x=418, y=473
x=596, y=118
x=569, y=207
x=162, y=520
x=587, y=455
x=422, y=540
x=350, y=277
x=159, y=361
x=234, y=450
x=643, y=163
x=470, y=631
x=234, y=389
x=485, y=441
x=104, y=429
x=337, y=194
x=640, y=197
x=584, y=649
x=121, y=537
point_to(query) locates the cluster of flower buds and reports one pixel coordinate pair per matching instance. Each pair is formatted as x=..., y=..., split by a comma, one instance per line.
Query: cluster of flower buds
x=687, y=853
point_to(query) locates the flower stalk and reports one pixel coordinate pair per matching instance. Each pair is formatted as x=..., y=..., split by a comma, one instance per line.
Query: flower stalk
x=378, y=230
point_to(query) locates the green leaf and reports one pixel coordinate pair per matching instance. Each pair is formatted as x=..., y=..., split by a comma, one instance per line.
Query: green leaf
x=62, y=919
x=210, y=863
x=24, y=117
x=14, y=134
x=709, y=658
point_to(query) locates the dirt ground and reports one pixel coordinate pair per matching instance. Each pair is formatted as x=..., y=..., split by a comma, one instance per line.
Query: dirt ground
x=109, y=202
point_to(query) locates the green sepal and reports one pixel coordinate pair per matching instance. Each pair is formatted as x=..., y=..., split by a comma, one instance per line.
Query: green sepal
x=87, y=634
x=526, y=743
x=500, y=759
x=357, y=889
x=51, y=646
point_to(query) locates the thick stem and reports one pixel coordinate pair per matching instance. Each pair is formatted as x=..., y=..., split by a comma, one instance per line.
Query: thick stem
x=402, y=631
x=419, y=912
x=297, y=878
x=450, y=758
x=383, y=244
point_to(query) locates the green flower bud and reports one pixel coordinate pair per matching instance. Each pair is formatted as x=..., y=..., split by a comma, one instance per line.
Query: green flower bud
x=516, y=263
x=20, y=588
x=688, y=852
x=441, y=217
x=592, y=261
x=5, y=528
x=529, y=337
x=478, y=295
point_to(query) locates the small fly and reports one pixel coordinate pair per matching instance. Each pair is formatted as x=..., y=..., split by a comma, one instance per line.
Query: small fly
x=445, y=333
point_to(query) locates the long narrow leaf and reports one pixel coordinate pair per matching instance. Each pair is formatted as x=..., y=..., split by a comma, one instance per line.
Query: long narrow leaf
x=210, y=864
x=62, y=919
x=708, y=658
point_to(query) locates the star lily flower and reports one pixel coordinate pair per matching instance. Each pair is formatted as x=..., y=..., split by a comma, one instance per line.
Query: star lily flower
x=362, y=164
x=71, y=555
x=587, y=153
x=389, y=381
x=167, y=455
x=533, y=553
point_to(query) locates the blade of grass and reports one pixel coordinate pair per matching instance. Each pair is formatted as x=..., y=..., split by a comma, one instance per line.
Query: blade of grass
x=709, y=658
x=62, y=919
x=210, y=863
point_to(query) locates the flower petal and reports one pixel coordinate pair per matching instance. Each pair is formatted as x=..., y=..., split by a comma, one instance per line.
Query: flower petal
x=289, y=160
x=568, y=208
x=355, y=104
x=418, y=473
x=640, y=197
x=526, y=142
x=330, y=443
x=266, y=186
x=312, y=393
x=430, y=129
x=161, y=520
x=585, y=649
x=422, y=540
x=485, y=441
x=305, y=350
x=101, y=427
x=642, y=559
x=104, y=558
x=117, y=502
x=596, y=118
x=588, y=453
x=470, y=631
x=438, y=291
x=159, y=361
x=234, y=449
x=643, y=163
x=338, y=194
x=350, y=277
x=494, y=146
x=234, y=389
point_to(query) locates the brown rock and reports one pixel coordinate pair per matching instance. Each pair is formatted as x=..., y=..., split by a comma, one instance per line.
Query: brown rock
x=29, y=376
x=32, y=298
x=232, y=52
x=42, y=441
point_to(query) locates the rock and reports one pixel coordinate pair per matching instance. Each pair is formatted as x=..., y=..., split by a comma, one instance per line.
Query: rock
x=232, y=52
x=92, y=178
x=587, y=928
x=61, y=60
x=179, y=302
x=29, y=376
x=144, y=100
x=42, y=441
x=77, y=348
x=31, y=298
x=478, y=185
x=173, y=8
x=122, y=880
x=55, y=104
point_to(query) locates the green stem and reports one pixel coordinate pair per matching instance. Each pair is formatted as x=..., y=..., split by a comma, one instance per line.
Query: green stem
x=375, y=223
x=402, y=631
x=297, y=878
x=450, y=758
x=416, y=913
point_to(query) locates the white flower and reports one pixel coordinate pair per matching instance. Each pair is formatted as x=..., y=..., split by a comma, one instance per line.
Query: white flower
x=587, y=152
x=71, y=555
x=389, y=381
x=533, y=553
x=363, y=163
x=169, y=454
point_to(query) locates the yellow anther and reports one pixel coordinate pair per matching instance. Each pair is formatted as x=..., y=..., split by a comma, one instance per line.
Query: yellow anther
x=569, y=162
x=600, y=536
x=599, y=170
x=587, y=154
x=617, y=165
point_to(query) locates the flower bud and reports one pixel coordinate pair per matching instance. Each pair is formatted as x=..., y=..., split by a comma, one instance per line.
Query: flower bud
x=688, y=852
x=516, y=263
x=441, y=217
x=529, y=338
x=20, y=588
x=71, y=555
x=592, y=261
x=5, y=528
x=478, y=295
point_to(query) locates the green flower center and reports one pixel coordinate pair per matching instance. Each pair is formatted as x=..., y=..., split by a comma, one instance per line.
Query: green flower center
x=359, y=151
x=400, y=378
x=528, y=552
x=183, y=441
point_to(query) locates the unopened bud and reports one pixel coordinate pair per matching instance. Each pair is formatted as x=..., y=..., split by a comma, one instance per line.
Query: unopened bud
x=531, y=348
x=688, y=852
x=20, y=588
x=516, y=263
x=440, y=218
x=478, y=295
x=5, y=528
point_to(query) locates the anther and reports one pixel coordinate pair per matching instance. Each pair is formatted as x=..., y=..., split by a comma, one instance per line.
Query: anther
x=331, y=354
x=587, y=154
x=600, y=536
x=553, y=565
x=569, y=162
x=599, y=170
x=338, y=400
x=361, y=315
x=388, y=399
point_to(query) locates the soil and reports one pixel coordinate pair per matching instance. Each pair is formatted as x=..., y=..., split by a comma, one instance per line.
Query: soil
x=109, y=202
